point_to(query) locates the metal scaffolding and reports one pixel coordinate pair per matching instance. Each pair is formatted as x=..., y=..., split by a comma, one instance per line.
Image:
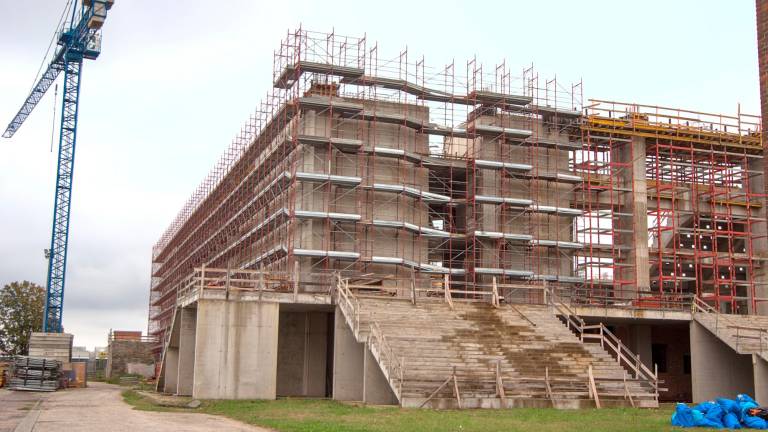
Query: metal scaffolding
x=370, y=166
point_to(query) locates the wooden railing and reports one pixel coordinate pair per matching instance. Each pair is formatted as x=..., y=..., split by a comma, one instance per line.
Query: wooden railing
x=607, y=340
x=393, y=367
x=231, y=281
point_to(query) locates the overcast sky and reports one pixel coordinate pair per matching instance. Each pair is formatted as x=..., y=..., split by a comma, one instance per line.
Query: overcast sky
x=177, y=79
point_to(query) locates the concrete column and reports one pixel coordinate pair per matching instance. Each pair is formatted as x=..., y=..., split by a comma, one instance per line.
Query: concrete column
x=716, y=369
x=188, y=317
x=171, y=370
x=376, y=389
x=759, y=227
x=760, y=371
x=347, y=362
x=642, y=344
x=235, y=350
x=634, y=177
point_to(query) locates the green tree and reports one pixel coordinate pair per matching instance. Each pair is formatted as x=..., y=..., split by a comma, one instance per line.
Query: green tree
x=21, y=313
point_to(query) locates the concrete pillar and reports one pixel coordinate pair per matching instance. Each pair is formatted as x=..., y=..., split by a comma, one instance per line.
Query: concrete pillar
x=634, y=177
x=760, y=372
x=347, y=362
x=376, y=389
x=235, y=350
x=759, y=231
x=642, y=344
x=302, y=354
x=171, y=370
x=188, y=317
x=716, y=369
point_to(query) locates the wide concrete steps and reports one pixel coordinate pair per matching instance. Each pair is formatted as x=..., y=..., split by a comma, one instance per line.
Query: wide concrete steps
x=526, y=349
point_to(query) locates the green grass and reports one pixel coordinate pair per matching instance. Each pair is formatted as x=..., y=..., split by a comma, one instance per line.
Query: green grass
x=304, y=415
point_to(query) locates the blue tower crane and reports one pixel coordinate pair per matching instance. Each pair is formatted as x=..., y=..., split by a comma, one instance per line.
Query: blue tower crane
x=79, y=38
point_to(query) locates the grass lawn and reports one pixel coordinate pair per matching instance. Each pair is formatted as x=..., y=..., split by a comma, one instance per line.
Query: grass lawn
x=302, y=415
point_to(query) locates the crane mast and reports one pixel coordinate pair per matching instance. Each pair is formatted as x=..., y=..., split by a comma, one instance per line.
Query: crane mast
x=78, y=39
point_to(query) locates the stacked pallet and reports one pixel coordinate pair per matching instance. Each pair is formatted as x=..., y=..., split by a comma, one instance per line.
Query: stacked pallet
x=35, y=374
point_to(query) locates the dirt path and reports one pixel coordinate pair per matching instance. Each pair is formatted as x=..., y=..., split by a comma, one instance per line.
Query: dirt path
x=14, y=406
x=100, y=408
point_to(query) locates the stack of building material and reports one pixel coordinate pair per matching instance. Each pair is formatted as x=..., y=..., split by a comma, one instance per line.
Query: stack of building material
x=35, y=374
x=52, y=346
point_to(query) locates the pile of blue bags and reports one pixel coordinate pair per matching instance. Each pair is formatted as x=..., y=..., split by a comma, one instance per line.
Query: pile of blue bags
x=743, y=412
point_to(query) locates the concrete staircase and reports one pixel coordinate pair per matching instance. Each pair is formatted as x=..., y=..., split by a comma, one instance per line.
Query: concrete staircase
x=474, y=355
x=745, y=334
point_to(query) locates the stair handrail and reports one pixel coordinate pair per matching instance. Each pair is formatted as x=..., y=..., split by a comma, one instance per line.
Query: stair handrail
x=699, y=305
x=623, y=354
x=376, y=338
x=348, y=302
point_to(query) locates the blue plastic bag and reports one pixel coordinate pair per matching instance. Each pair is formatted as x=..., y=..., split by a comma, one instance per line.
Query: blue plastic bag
x=753, y=422
x=683, y=416
x=728, y=405
x=715, y=414
x=731, y=421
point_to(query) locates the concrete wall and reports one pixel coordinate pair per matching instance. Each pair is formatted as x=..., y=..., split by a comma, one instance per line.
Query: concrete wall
x=236, y=350
x=716, y=369
x=357, y=375
x=376, y=389
x=347, y=362
x=121, y=353
x=302, y=353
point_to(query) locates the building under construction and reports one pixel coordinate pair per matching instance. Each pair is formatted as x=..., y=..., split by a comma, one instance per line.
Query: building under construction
x=464, y=236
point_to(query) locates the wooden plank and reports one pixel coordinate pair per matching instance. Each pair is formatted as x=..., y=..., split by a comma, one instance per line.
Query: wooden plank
x=626, y=391
x=500, y=385
x=548, y=386
x=495, y=297
x=445, y=383
x=456, y=388
x=593, y=387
